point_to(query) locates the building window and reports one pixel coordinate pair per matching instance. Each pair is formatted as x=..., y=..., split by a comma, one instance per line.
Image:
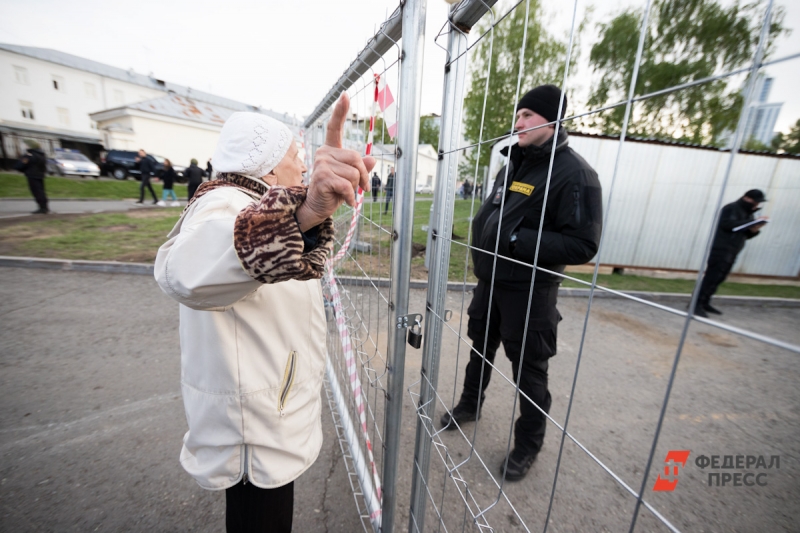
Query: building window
x=119, y=97
x=58, y=83
x=63, y=116
x=27, y=109
x=91, y=91
x=21, y=74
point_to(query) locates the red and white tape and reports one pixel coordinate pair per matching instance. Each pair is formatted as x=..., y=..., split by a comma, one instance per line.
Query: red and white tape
x=341, y=325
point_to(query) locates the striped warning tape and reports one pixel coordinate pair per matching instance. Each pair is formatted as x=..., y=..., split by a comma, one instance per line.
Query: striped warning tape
x=341, y=325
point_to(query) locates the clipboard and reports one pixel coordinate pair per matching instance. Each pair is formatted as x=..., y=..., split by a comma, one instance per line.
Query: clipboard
x=752, y=223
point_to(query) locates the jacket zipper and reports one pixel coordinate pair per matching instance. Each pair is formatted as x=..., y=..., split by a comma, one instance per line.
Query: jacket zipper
x=577, y=197
x=244, y=476
x=288, y=380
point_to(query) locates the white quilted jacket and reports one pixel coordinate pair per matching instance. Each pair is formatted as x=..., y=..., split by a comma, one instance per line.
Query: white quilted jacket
x=252, y=355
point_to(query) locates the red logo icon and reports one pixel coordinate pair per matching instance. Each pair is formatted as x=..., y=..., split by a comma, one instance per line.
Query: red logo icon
x=668, y=480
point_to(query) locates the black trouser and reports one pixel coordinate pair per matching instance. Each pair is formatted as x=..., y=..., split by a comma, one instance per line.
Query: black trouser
x=719, y=266
x=249, y=509
x=507, y=325
x=375, y=193
x=146, y=183
x=36, y=185
x=193, y=188
x=389, y=195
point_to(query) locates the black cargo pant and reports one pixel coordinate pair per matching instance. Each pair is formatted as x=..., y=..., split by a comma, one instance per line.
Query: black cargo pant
x=719, y=266
x=146, y=183
x=507, y=325
x=193, y=188
x=36, y=185
x=250, y=509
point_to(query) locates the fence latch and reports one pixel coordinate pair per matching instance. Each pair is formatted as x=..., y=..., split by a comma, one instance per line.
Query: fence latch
x=414, y=330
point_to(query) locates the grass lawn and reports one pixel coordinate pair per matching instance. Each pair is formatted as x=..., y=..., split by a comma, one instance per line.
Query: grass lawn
x=136, y=236
x=133, y=236
x=16, y=186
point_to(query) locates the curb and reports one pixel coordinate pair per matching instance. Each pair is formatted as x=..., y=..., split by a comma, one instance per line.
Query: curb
x=108, y=267
x=116, y=267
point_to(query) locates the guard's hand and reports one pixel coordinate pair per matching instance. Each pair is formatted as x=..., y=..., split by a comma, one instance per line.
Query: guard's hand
x=337, y=174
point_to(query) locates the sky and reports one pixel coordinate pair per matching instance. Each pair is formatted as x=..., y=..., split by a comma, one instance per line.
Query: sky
x=283, y=55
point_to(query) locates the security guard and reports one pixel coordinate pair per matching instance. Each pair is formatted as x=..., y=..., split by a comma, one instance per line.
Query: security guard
x=570, y=235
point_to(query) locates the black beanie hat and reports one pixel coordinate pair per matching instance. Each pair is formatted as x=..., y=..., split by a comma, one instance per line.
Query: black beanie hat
x=544, y=101
x=756, y=194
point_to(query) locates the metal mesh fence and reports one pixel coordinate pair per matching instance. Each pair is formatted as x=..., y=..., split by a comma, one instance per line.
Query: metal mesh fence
x=618, y=408
x=599, y=471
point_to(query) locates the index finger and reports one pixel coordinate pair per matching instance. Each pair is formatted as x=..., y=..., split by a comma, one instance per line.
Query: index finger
x=333, y=136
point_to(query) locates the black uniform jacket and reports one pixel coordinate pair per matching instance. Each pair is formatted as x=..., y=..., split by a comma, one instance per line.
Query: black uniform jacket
x=33, y=165
x=194, y=174
x=147, y=165
x=728, y=243
x=573, y=218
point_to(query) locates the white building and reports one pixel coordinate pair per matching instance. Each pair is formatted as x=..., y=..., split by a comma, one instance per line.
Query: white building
x=427, y=160
x=762, y=116
x=60, y=100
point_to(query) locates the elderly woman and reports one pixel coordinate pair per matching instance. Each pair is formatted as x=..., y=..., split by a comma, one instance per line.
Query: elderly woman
x=244, y=261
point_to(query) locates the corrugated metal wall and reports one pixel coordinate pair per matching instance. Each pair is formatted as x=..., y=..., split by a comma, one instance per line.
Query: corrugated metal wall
x=664, y=200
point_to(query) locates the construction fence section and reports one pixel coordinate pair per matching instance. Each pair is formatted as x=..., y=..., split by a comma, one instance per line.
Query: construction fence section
x=605, y=445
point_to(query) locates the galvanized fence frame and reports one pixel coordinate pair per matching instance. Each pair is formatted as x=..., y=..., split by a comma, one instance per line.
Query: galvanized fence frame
x=402, y=36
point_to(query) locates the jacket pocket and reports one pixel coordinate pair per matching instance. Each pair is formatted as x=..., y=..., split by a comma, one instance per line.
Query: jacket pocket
x=288, y=381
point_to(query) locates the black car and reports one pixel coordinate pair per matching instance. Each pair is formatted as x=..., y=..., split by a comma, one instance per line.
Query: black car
x=122, y=163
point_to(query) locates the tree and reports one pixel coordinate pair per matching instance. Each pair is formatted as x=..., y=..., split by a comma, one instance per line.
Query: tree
x=687, y=40
x=543, y=63
x=429, y=132
x=788, y=142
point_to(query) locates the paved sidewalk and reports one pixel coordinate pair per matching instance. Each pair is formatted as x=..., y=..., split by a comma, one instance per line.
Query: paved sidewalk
x=92, y=418
x=12, y=207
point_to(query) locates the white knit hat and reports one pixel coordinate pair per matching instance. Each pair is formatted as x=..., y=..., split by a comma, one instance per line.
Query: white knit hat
x=251, y=144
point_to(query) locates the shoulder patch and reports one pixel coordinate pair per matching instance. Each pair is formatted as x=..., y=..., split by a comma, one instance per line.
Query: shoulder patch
x=523, y=188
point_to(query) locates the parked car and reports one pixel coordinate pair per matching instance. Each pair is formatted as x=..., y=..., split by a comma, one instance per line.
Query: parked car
x=122, y=163
x=71, y=162
x=424, y=189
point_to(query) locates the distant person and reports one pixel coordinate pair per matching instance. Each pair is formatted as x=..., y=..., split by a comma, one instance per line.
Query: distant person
x=34, y=166
x=147, y=166
x=209, y=168
x=728, y=242
x=376, y=186
x=389, y=189
x=467, y=189
x=479, y=192
x=168, y=176
x=195, y=176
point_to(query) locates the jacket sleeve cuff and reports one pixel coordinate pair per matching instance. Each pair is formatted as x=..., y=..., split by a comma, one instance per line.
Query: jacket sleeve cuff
x=269, y=243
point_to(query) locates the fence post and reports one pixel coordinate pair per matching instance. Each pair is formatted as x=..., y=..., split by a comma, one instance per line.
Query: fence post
x=413, y=40
x=441, y=225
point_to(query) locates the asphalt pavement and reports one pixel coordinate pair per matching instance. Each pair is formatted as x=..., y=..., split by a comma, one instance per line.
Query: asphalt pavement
x=92, y=420
x=12, y=207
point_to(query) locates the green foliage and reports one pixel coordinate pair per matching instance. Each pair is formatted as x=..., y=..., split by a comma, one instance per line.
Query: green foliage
x=788, y=142
x=687, y=40
x=755, y=145
x=498, y=54
x=429, y=132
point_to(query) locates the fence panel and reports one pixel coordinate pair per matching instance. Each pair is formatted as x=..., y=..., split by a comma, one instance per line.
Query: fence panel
x=614, y=399
x=366, y=285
